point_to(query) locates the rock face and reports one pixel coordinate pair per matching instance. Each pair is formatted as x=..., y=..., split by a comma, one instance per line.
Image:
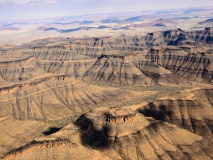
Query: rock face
x=117, y=70
x=180, y=52
x=196, y=67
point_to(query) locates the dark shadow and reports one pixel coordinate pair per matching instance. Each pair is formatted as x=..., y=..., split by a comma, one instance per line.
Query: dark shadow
x=158, y=113
x=90, y=135
x=51, y=131
x=154, y=76
x=165, y=110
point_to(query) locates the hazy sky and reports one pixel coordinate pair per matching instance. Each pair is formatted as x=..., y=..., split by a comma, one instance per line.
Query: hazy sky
x=21, y=9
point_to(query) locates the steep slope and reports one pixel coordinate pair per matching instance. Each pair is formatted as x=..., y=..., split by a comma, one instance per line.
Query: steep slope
x=15, y=133
x=132, y=69
x=59, y=97
x=196, y=67
x=115, y=69
x=18, y=69
x=190, y=109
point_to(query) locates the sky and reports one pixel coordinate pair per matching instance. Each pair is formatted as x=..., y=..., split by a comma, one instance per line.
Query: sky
x=25, y=9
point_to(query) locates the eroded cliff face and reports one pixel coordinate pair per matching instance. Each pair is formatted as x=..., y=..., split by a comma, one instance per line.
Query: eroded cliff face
x=185, y=54
x=17, y=70
x=116, y=70
x=58, y=70
x=193, y=66
x=182, y=53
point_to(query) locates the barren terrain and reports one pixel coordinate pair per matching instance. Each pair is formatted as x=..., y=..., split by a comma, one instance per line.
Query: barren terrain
x=127, y=96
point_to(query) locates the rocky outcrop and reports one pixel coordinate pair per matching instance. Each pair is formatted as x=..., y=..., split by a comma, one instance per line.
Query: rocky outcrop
x=35, y=145
x=120, y=119
x=107, y=58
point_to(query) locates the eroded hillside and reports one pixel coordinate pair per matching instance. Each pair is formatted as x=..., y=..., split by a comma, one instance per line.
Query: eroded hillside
x=139, y=97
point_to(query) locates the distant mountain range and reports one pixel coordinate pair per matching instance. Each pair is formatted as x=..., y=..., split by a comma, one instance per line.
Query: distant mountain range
x=158, y=23
x=9, y=28
x=207, y=22
x=42, y=28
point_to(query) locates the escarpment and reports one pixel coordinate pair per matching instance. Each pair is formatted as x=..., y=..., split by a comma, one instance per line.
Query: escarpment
x=35, y=145
x=107, y=58
x=196, y=67
x=118, y=119
x=75, y=69
x=15, y=62
x=115, y=69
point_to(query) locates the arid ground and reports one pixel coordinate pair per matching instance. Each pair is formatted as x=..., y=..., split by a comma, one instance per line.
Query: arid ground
x=136, y=87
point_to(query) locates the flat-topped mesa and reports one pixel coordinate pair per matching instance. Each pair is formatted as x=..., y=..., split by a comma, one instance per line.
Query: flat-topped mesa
x=162, y=50
x=120, y=119
x=117, y=56
x=49, y=47
x=113, y=56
